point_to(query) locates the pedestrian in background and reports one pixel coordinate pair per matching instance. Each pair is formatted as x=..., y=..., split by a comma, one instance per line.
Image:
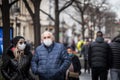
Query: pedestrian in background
x=17, y=60
x=79, y=45
x=50, y=60
x=84, y=52
x=115, y=58
x=74, y=70
x=98, y=57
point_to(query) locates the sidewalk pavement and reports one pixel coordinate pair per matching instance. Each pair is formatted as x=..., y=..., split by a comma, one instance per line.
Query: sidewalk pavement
x=86, y=76
x=83, y=76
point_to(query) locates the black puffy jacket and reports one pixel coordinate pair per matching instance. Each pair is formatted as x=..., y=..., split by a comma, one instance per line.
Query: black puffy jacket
x=13, y=70
x=99, y=54
x=115, y=47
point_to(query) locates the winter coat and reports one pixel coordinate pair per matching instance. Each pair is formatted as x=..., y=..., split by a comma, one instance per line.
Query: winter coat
x=115, y=47
x=76, y=66
x=16, y=70
x=50, y=63
x=84, y=51
x=98, y=54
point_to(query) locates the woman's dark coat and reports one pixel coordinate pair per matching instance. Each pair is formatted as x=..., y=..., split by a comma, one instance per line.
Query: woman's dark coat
x=76, y=65
x=12, y=69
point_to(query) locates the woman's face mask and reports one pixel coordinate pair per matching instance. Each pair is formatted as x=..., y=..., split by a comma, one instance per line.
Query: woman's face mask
x=71, y=54
x=21, y=44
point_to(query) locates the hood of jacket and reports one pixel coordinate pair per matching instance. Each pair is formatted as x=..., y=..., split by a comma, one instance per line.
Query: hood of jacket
x=116, y=40
x=99, y=39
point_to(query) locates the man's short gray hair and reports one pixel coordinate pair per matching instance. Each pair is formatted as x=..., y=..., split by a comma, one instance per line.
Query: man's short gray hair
x=47, y=32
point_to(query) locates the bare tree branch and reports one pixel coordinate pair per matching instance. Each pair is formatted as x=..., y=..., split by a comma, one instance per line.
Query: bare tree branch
x=47, y=15
x=77, y=1
x=13, y=3
x=74, y=18
x=28, y=8
x=67, y=4
x=79, y=7
x=76, y=8
x=103, y=2
x=86, y=5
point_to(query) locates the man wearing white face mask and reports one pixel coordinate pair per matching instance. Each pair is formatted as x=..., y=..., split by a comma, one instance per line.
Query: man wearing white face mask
x=50, y=60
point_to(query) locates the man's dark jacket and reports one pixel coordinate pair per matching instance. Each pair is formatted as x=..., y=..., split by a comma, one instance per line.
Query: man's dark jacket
x=98, y=54
x=115, y=47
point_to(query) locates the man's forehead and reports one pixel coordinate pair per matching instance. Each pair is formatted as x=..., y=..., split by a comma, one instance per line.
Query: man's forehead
x=69, y=49
x=47, y=34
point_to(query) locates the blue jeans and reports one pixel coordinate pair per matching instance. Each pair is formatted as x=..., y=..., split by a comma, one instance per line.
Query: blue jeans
x=115, y=74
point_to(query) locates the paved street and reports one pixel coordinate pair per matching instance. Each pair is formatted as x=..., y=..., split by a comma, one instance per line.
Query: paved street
x=86, y=76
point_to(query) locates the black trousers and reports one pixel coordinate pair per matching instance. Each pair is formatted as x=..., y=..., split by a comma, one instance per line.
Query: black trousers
x=99, y=74
x=86, y=66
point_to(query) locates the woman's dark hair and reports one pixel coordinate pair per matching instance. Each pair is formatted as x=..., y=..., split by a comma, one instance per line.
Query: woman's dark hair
x=27, y=48
x=16, y=39
x=69, y=47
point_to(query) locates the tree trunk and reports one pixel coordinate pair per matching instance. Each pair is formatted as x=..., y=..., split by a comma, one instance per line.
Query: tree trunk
x=83, y=26
x=99, y=27
x=56, y=21
x=36, y=19
x=6, y=24
x=99, y=24
x=37, y=26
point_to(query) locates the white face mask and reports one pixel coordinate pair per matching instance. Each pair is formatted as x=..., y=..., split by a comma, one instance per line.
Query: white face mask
x=47, y=42
x=21, y=46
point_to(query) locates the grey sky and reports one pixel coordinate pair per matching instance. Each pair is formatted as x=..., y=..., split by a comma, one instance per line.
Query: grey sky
x=115, y=4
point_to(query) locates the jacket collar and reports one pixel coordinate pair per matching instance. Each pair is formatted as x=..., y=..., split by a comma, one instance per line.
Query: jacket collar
x=50, y=48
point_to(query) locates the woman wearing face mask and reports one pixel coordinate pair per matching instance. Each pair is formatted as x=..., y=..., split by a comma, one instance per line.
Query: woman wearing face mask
x=16, y=61
x=75, y=68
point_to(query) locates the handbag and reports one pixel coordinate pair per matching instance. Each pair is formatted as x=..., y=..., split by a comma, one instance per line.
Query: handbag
x=73, y=74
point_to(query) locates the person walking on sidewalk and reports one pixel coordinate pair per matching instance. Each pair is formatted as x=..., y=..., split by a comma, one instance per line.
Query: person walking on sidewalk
x=84, y=52
x=98, y=57
x=115, y=58
x=50, y=60
x=17, y=60
x=74, y=70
